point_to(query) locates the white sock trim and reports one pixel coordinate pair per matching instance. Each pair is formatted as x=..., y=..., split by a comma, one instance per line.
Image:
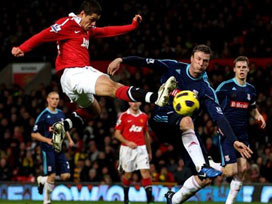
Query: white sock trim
x=191, y=144
x=70, y=123
x=147, y=97
x=129, y=94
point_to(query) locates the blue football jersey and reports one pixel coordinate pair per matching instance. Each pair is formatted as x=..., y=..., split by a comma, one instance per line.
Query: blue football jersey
x=44, y=122
x=236, y=101
x=200, y=86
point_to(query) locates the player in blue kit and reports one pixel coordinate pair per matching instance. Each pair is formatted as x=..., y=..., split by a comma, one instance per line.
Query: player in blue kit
x=238, y=100
x=53, y=162
x=189, y=77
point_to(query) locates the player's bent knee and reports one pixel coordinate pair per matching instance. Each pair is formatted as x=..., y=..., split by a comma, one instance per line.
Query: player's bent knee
x=65, y=177
x=186, y=123
x=229, y=172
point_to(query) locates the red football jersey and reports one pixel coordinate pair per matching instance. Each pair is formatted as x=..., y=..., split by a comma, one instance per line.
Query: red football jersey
x=72, y=40
x=132, y=126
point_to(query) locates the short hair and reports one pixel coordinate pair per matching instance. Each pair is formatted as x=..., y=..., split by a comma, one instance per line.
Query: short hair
x=241, y=59
x=90, y=7
x=51, y=93
x=202, y=48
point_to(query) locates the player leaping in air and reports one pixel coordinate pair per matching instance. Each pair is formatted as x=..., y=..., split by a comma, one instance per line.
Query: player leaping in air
x=79, y=81
x=190, y=77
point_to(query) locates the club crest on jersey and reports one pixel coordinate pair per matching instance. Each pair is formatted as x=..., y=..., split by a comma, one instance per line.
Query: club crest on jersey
x=55, y=28
x=227, y=158
x=248, y=97
x=85, y=43
x=195, y=92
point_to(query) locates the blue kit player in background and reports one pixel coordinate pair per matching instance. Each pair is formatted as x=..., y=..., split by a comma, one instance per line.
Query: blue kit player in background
x=238, y=100
x=53, y=162
x=189, y=77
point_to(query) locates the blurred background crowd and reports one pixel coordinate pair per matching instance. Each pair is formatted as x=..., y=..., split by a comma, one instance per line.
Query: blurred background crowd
x=169, y=30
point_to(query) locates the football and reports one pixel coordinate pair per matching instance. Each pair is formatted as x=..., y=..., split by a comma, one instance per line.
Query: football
x=185, y=103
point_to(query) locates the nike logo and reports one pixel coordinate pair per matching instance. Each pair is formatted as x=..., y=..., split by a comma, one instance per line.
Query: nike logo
x=129, y=121
x=202, y=175
x=76, y=31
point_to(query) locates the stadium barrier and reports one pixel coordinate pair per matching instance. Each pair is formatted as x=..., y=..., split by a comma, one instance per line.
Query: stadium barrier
x=93, y=192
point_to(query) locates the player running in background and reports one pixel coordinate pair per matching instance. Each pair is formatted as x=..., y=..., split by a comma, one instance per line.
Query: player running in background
x=237, y=99
x=79, y=81
x=53, y=162
x=190, y=77
x=135, y=152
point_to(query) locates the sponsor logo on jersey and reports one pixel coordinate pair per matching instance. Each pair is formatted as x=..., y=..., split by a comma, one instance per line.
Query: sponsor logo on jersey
x=77, y=31
x=239, y=104
x=85, y=43
x=135, y=128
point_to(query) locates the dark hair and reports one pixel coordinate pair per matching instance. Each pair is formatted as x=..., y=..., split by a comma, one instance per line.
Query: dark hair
x=202, y=48
x=90, y=7
x=241, y=59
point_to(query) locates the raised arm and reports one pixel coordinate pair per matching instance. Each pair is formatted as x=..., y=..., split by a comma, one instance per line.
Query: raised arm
x=110, y=31
x=53, y=33
x=114, y=66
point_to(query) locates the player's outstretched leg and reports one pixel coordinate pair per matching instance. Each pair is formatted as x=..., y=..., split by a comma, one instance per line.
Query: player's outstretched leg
x=40, y=184
x=58, y=135
x=208, y=172
x=165, y=90
x=169, y=196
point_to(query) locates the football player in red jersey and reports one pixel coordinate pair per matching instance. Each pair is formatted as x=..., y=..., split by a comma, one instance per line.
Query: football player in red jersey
x=79, y=81
x=135, y=152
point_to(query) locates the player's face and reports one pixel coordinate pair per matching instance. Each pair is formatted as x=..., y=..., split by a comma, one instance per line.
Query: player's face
x=87, y=21
x=53, y=100
x=135, y=106
x=199, y=63
x=241, y=70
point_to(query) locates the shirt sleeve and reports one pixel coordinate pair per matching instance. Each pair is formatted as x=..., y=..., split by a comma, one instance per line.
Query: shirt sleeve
x=38, y=126
x=56, y=32
x=253, y=103
x=120, y=123
x=110, y=31
x=146, y=124
x=145, y=62
x=221, y=93
x=217, y=115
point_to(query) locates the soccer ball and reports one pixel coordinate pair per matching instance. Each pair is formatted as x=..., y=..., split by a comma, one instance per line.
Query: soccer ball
x=185, y=103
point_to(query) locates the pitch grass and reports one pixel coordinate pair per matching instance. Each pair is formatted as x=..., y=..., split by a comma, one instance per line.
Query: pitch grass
x=101, y=202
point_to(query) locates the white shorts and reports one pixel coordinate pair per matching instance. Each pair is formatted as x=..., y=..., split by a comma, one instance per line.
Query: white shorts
x=133, y=159
x=78, y=84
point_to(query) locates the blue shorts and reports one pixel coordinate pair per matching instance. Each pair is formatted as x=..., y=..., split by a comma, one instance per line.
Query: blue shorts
x=228, y=154
x=54, y=162
x=165, y=123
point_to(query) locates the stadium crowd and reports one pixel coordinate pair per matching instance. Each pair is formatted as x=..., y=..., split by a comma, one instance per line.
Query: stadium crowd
x=94, y=157
x=169, y=30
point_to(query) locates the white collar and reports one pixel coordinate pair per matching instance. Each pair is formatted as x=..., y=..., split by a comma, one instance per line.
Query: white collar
x=75, y=17
x=129, y=112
